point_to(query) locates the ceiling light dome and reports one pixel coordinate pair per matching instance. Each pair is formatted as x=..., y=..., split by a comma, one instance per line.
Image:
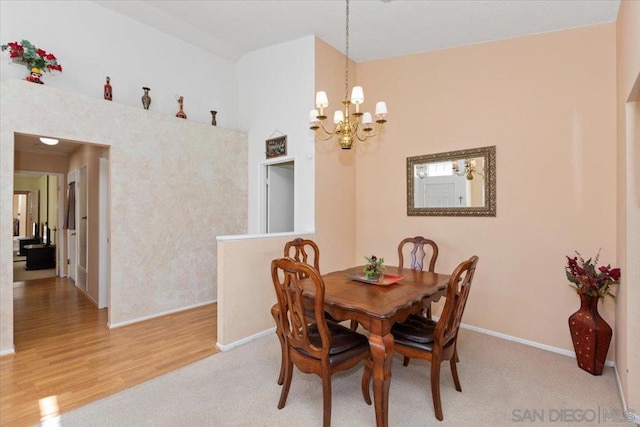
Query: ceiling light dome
x=49, y=141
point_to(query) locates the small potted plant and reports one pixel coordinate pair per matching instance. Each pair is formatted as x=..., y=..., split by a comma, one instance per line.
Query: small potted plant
x=590, y=333
x=374, y=267
x=36, y=60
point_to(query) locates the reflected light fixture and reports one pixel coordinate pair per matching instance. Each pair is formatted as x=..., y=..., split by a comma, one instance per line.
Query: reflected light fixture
x=347, y=125
x=469, y=169
x=49, y=141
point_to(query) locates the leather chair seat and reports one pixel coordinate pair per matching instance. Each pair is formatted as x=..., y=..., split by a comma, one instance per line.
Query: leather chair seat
x=345, y=343
x=416, y=331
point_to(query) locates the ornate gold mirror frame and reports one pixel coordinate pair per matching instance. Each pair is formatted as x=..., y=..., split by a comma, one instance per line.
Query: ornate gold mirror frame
x=476, y=168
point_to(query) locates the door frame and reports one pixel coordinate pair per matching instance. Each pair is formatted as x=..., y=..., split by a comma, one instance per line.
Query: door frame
x=264, y=193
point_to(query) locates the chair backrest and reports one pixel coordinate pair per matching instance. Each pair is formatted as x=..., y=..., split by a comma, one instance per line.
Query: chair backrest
x=418, y=252
x=457, y=293
x=288, y=276
x=303, y=250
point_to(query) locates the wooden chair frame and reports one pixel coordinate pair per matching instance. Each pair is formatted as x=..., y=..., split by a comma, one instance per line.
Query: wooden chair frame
x=287, y=275
x=446, y=331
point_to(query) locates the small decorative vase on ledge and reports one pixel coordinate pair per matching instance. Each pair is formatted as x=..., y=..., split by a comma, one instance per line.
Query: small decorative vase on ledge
x=35, y=76
x=180, y=114
x=590, y=334
x=146, y=99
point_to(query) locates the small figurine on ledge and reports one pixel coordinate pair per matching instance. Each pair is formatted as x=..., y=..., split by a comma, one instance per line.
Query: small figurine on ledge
x=35, y=75
x=108, y=95
x=181, y=113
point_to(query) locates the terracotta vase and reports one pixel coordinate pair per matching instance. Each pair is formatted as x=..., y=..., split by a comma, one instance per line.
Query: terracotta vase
x=108, y=90
x=590, y=334
x=181, y=114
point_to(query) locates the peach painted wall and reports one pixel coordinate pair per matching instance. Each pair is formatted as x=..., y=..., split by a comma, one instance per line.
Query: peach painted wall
x=547, y=102
x=37, y=162
x=627, y=313
x=245, y=295
x=335, y=169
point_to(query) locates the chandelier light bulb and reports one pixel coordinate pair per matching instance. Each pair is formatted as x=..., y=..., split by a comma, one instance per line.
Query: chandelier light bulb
x=321, y=99
x=357, y=95
x=367, y=119
x=381, y=109
x=338, y=117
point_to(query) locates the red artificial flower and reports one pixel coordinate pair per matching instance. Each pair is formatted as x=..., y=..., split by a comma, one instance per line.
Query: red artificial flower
x=50, y=56
x=615, y=274
x=41, y=52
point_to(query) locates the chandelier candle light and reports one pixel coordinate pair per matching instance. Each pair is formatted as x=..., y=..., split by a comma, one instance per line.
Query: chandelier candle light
x=469, y=169
x=348, y=125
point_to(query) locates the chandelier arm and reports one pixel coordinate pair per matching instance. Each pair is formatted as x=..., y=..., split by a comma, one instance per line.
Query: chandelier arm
x=329, y=136
x=331, y=133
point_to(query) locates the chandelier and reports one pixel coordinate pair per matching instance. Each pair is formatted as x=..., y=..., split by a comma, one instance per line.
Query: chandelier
x=347, y=125
x=469, y=169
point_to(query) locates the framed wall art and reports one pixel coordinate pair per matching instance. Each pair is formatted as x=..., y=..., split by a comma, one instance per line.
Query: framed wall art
x=276, y=147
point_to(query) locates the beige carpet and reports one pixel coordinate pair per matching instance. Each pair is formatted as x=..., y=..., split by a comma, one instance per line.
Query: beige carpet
x=503, y=384
x=20, y=274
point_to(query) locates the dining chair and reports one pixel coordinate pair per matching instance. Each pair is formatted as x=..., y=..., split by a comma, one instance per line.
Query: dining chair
x=308, y=252
x=418, y=255
x=319, y=347
x=437, y=342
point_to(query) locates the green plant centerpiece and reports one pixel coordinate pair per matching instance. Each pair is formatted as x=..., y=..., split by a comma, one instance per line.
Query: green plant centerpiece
x=374, y=267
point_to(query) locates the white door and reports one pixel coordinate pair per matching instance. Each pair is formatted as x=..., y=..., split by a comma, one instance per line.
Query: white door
x=71, y=232
x=280, y=197
x=81, y=226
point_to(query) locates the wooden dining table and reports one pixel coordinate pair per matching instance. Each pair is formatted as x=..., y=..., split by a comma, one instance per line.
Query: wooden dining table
x=377, y=307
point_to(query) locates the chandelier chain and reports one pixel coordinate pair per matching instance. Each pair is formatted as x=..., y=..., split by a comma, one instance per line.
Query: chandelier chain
x=346, y=65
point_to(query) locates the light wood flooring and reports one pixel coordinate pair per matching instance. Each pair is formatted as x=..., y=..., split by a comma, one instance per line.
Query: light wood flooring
x=64, y=349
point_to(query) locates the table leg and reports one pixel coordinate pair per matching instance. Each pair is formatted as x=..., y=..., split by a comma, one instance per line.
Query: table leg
x=382, y=355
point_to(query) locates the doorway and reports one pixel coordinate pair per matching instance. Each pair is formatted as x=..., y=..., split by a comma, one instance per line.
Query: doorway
x=278, y=196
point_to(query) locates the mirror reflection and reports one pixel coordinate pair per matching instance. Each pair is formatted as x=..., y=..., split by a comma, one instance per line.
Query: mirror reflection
x=454, y=183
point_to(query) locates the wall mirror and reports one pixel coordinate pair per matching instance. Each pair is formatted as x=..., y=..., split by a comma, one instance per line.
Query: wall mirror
x=456, y=183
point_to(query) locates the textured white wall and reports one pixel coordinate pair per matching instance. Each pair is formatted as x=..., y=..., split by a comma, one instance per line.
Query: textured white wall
x=92, y=42
x=276, y=93
x=175, y=185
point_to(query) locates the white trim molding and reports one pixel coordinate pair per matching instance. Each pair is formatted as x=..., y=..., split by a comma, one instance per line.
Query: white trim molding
x=245, y=340
x=153, y=316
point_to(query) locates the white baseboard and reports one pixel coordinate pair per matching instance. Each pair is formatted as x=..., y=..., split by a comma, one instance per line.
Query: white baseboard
x=245, y=340
x=12, y=350
x=550, y=348
x=628, y=412
x=153, y=316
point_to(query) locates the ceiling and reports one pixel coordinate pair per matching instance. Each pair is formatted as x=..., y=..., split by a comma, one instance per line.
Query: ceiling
x=31, y=144
x=378, y=28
